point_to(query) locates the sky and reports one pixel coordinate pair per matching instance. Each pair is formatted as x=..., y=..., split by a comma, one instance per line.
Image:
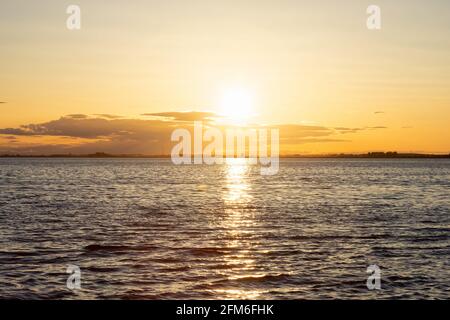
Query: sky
x=135, y=70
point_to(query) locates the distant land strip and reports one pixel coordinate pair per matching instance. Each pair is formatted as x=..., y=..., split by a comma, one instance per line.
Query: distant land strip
x=388, y=155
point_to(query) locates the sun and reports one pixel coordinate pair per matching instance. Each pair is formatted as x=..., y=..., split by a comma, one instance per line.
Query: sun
x=236, y=104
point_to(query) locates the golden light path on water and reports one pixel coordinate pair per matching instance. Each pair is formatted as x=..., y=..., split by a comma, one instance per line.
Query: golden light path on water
x=238, y=222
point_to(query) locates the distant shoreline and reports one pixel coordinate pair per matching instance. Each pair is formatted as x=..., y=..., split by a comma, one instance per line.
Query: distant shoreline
x=370, y=155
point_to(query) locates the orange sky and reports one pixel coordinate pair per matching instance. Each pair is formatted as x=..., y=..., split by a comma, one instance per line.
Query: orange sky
x=313, y=66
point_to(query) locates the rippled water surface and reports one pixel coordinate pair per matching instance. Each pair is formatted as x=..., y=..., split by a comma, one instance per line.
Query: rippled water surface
x=141, y=228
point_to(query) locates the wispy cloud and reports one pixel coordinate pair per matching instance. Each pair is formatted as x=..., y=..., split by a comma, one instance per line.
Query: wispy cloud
x=184, y=116
x=344, y=130
x=347, y=130
x=107, y=116
x=77, y=116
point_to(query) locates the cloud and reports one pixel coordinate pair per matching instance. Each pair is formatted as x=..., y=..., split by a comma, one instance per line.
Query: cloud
x=82, y=134
x=2, y=102
x=302, y=140
x=65, y=126
x=11, y=138
x=184, y=116
x=86, y=135
x=379, y=112
x=108, y=116
x=291, y=132
x=344, y=130
x=77, y=116
x=14, y=131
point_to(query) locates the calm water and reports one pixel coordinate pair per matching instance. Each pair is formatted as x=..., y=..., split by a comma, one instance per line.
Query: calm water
x=148, y=229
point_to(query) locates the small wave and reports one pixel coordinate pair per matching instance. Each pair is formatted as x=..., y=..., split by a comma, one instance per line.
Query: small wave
x=265, y=277
x=210, y=251
x=430, y=238
x=258, y=278
x=101, y=269
x=18, y=253
x=116, y=248
x=175, y=269
x=340, y=237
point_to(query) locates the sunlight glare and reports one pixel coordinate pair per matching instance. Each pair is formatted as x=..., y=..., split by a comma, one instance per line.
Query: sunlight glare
x=236, y=104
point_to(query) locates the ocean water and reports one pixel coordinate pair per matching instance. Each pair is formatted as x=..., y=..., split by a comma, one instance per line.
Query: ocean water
x=147, y=229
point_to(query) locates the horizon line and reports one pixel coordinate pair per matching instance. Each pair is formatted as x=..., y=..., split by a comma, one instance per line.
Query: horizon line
x=374, y=154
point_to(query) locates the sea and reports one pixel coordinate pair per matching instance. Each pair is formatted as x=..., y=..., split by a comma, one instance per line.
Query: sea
x=119, y=228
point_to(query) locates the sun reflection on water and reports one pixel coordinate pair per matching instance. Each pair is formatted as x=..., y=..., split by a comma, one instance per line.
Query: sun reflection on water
x=236, y=183
x=238, y=223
